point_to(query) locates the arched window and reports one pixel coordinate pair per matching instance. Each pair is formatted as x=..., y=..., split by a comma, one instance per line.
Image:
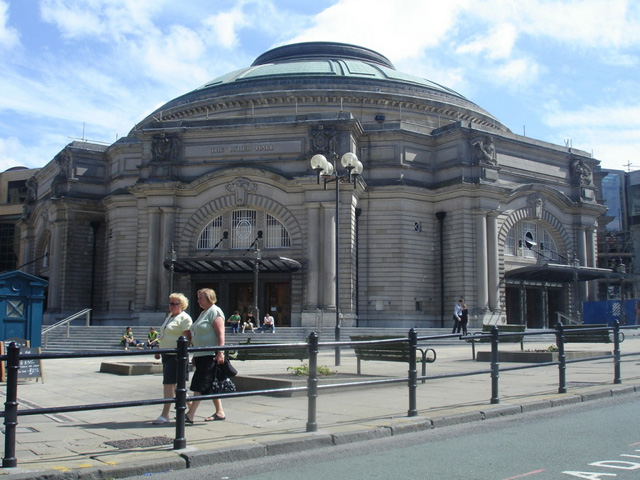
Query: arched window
x=277, y=236
x=242, y=227
x=210, y=234
x=515, y=243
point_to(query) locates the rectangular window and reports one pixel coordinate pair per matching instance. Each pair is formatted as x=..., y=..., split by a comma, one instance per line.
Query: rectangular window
x=16, y=192
x=510, y=243
x=8, y=259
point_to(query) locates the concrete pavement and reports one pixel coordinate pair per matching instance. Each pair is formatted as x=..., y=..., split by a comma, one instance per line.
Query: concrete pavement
x=123, y=442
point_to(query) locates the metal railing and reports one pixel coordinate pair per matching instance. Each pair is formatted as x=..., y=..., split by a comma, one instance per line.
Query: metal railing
x=66, y=321
x=13, y=357
x=564, y=318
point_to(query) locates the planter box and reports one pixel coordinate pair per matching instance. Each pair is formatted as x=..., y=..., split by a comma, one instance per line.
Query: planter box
x=535, y=357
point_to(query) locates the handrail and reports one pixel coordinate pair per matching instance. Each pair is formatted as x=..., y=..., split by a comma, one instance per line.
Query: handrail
x=67, y=321
x=560, y=316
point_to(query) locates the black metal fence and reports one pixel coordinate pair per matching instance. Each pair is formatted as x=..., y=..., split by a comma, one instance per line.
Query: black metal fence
x=414, y=342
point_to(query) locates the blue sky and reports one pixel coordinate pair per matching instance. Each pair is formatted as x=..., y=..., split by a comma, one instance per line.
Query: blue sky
x=558, y=71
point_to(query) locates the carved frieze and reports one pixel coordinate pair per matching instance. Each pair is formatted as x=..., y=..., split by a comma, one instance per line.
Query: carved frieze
x=164, y=148
x=241, y=187
x=324, y=140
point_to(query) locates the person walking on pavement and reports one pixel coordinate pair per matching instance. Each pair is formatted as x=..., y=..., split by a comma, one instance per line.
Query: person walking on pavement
x=206, y=331
x=176, y=325
x=464, y=318
x=457, y=313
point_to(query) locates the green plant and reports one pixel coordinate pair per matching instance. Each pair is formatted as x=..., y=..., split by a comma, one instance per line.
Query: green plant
x=303, y=370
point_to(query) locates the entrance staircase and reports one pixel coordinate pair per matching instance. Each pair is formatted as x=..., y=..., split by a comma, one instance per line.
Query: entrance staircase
x=107, y=338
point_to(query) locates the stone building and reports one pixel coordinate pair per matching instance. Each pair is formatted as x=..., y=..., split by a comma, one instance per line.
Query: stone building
x=215, y=188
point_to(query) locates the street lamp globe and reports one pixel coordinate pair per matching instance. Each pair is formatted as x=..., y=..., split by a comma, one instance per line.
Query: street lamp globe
x=319, y=163
x=349, y=161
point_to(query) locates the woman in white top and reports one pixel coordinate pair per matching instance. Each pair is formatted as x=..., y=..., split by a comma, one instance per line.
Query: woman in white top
x=206, y=331
x=176, y=325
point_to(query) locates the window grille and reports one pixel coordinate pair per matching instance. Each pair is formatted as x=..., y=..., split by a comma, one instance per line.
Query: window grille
x=277, y=235
x=510, y=243
x=211, y=234
x=243, y=228
x=528, y=227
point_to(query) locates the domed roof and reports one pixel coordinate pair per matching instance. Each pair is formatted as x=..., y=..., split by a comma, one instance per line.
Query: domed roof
x=324, y=59
x=325, y=65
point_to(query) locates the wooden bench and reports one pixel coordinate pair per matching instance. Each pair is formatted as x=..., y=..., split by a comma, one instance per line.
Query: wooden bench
x=285, y=352
x=484, y=336
x=389, y=352
x=588, y=336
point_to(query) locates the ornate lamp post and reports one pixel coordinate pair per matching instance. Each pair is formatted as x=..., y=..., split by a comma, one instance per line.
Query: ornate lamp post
x=173, y=258
x=257, y=256
x=329, y=172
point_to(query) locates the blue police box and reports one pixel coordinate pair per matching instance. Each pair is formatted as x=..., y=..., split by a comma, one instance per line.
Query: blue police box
x=21, y=304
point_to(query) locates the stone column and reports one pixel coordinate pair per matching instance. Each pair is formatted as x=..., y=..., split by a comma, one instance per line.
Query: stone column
x=153, y=247
x=493, y=261
x=164, y=280
x=328, y=265
x=56, y=254
x=591, y=261
x=313, y=256
x=581, y=245
x=481, y=261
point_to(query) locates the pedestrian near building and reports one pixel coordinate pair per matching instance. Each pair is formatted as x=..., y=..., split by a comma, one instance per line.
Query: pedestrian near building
x=206, y=331
x=457, y=313
x=234, y=321
x=176, y=324
x=464, y=319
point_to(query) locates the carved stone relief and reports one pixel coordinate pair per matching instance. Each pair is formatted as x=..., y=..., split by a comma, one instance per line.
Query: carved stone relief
x=241, y=187
x=536, y=203
x=581, y=173
x=164, y=148
x=323, y=140
x=484, y=151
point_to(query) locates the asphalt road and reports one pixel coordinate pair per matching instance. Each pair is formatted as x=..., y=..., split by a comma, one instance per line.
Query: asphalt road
x=600, y=440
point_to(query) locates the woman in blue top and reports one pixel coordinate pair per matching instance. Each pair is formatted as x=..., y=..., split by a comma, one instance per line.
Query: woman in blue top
x=206, y=331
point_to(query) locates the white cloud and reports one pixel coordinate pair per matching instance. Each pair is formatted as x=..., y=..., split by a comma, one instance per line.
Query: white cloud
x=611, y=131
x=581, y=23
x=101, y=19
x=497, y=44
x=9, y=36
x=225, y=26
x=399, y=33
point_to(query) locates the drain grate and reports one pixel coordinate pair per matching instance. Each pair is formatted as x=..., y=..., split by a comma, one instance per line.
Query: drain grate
x=140, y=442
x=583, y=384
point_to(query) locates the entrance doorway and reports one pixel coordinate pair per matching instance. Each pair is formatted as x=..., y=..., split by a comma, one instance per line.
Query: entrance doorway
x=242, y=299
x=279, y=303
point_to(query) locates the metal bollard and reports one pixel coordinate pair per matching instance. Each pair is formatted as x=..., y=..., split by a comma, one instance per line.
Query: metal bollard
x=413, y=373
x=495, y=366
x=11, y=407
x=180, y=441
x=562, y=360
x=312, y=383
x=616, y=352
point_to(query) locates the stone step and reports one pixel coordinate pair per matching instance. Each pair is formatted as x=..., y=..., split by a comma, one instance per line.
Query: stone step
x=105, y=338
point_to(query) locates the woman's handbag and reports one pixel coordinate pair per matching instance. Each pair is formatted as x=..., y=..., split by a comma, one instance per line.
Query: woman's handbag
x=218, y=379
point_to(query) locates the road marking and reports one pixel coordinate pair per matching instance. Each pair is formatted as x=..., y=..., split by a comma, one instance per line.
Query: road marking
x=534, y=472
